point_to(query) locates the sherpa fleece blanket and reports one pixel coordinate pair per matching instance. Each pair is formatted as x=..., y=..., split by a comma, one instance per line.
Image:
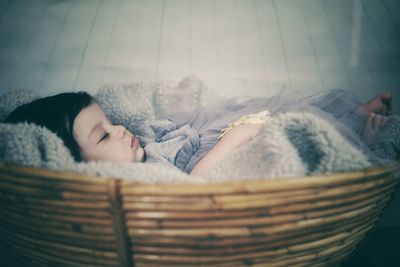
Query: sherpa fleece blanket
x=136, y=106
x=291, y=144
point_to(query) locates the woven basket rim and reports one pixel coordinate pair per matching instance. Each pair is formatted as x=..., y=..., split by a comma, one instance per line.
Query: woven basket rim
x=321, y=179
x=309, y=212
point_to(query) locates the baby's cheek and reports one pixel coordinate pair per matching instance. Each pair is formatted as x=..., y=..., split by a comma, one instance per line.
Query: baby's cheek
x=129, y=154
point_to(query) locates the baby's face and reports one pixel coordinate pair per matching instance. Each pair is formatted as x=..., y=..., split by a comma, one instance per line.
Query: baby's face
x=100, y=140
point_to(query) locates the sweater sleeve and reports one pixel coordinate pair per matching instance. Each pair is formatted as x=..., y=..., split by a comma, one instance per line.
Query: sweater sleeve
x=175, y=145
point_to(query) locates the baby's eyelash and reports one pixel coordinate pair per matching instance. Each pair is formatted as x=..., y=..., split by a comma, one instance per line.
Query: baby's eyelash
x=104, y=137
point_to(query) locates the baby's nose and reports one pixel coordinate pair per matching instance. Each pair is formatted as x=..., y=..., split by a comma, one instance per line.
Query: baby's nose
x=123, y=132
x=120, y=131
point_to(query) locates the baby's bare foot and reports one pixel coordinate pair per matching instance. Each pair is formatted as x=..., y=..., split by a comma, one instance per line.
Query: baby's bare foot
x=380, y=104
x=373, y=126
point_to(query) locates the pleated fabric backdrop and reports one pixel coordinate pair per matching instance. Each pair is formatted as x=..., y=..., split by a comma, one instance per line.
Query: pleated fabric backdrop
x=240, y=46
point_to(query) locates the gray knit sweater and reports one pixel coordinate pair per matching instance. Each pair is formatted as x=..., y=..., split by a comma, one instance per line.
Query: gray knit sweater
x=174, y=146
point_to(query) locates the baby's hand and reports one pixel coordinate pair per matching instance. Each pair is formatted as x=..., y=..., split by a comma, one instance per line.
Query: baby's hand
x=240, y=134
x=232, y=139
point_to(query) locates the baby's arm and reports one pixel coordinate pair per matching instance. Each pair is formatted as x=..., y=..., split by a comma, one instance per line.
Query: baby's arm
x=231, y=140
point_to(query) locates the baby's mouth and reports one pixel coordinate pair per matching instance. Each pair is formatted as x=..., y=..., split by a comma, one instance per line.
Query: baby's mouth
x=134, y=142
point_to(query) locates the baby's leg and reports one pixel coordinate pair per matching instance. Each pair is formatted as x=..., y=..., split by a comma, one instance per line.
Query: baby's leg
x=372, y=127
x=380, y=104
x=360, y=120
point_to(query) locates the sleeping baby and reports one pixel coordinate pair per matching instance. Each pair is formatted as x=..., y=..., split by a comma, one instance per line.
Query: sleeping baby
x=197, y=143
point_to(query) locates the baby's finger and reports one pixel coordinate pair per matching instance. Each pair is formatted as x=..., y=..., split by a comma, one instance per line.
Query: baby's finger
x=368, y=123
x=375, y=121
x=383, y=122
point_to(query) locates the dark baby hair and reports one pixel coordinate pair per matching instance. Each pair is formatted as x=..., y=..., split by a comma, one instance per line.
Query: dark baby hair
x=57, y=113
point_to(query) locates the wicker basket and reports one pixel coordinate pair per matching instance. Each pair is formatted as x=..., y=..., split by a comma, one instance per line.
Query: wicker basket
x=52, y=218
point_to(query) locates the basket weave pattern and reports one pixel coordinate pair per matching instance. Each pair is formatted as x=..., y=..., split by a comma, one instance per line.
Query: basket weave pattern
x=53, y=218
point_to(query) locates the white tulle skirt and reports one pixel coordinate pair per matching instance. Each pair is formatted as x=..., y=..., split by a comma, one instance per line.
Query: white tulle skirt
x=338, y=107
